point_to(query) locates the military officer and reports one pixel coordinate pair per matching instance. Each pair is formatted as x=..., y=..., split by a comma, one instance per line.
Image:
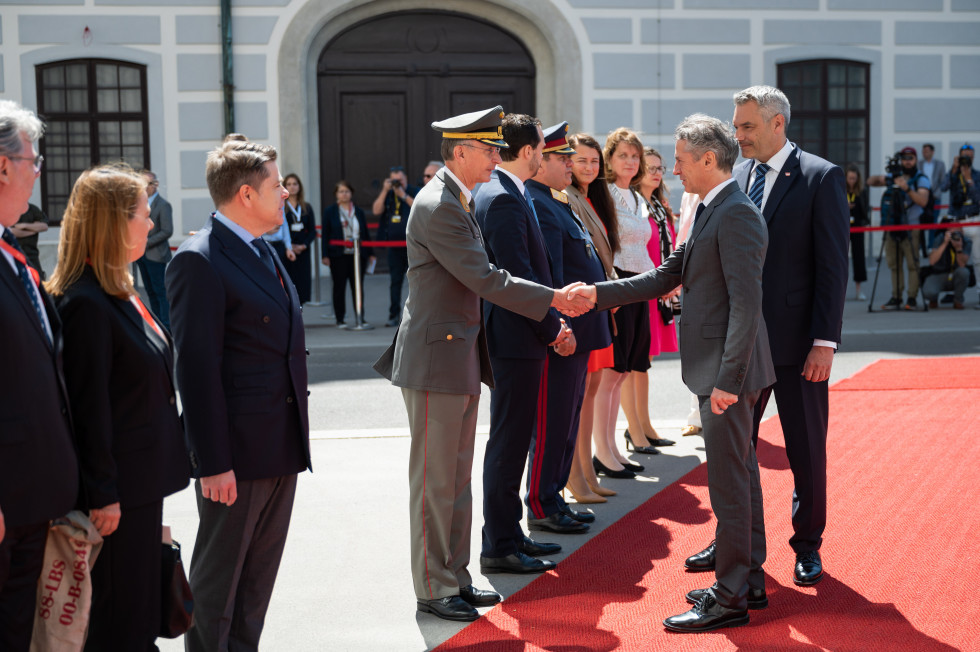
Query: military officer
x=439, y=357
x=573, y=258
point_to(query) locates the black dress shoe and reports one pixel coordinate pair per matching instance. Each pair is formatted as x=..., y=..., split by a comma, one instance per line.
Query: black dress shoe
x=478, y=597
x=394, y=321
x=534, y=548
x=635, y=468
x=581, y=517
x=557, y=522
x=648, y=450
x=756, y=600
x=609, y=473
x=809, y=568
x=702, y=561
x=706, y=615
x=451, y=608
x=515, y=563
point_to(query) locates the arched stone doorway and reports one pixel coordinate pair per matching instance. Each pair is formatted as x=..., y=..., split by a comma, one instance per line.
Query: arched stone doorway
x=383, y=80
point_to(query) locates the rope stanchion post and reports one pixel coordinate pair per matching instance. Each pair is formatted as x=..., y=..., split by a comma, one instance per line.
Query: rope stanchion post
x=359, y=323
x=317, y=301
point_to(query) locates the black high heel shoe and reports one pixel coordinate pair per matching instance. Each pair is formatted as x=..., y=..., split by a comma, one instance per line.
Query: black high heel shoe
x=635, y=468
x=649, y=450
x=601, y=468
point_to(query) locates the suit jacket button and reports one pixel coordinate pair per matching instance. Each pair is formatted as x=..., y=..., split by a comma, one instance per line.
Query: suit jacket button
x=266, y=319
x=173, y=400
x=449, y=337
x=289, y=399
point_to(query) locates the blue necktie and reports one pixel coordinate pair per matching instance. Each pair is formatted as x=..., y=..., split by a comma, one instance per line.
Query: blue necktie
x=697, y=214
x=530, y=202
x=265, y=255
x=27, y=281
x=758, y=188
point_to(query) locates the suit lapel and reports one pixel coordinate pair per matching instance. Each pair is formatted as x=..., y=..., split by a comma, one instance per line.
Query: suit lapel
x=533, y=228
x=706, y=216
x=20, y=294
x=787, y=177
x=460, y=196
x=244, y=258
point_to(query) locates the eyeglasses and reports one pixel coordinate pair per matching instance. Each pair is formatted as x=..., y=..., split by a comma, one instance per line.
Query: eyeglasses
x=492, y=151
x=37, y=161
x=662, y=169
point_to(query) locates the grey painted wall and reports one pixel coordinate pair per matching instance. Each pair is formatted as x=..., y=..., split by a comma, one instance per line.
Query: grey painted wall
x=108, y=29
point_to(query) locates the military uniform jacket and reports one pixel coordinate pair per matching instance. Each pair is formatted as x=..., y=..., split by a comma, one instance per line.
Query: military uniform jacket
x=440, y=344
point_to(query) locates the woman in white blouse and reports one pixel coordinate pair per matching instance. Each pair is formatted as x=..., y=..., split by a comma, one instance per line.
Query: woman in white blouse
x=625, y=166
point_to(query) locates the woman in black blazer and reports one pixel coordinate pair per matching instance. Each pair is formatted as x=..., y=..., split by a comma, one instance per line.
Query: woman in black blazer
x=342, y=221
x=301, y=222
x=118, y=370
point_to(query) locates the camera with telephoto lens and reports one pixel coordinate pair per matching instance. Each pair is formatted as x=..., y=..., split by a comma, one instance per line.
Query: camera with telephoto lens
x=396, y=183
x=955, y=235
x=965, y=162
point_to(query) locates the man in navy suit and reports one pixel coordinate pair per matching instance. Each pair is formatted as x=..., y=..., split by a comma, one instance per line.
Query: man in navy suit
x=803, y=200
x=573, y=258
x=241, y=371
x=518, y=349
x=38, y=465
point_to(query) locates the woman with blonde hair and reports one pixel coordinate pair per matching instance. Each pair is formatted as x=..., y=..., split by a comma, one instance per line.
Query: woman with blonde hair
x=118, y=363
x=624, y=167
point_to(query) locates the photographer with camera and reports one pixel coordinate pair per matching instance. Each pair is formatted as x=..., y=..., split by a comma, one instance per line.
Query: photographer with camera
x=964, y=192
x=948, y=269
x=392, y=207
x=903, y=203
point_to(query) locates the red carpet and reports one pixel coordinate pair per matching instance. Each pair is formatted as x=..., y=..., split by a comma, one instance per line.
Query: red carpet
x=900, y=551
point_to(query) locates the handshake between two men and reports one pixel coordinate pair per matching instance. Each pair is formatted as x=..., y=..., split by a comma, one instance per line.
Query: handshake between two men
x=572, y=300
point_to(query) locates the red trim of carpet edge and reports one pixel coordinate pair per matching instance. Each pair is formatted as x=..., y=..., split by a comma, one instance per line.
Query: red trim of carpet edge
x=899, y=549
x=917, y=373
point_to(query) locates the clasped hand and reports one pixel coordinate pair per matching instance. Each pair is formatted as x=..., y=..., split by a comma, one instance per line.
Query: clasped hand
x=565, y=343
x=574, y=299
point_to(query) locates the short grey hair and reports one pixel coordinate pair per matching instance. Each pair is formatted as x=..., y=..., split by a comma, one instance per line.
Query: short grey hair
x=771, y=101
x=15, y=121
x=702, y=133
x=438, y=164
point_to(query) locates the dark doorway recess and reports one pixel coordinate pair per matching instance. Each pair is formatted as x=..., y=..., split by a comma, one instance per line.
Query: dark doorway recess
x=383, y=81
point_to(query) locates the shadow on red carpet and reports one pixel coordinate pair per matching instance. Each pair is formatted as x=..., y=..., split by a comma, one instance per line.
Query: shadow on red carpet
x=901, y=534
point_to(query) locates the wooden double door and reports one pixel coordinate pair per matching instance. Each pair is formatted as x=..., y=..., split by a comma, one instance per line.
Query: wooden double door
x=383, y=82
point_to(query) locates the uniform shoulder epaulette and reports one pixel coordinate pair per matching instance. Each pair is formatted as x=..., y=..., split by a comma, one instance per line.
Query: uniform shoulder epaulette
x=560, y=195
x=462, y=200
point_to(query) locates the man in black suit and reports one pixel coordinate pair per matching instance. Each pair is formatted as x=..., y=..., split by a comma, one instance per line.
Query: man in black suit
x=38, y=465
x=573, y=258
x=804, y=203
x=518, y=350
x=241, y=371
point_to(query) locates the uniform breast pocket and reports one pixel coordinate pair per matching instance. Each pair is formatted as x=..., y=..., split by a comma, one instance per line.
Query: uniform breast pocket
x=450, y=331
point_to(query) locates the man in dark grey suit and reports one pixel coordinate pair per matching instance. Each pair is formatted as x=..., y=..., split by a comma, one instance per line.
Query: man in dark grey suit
x=153, y=263
x=439, y=357
x=724, y=359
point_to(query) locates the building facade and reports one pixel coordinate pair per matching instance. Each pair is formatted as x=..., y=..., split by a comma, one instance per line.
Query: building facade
x=347, y=88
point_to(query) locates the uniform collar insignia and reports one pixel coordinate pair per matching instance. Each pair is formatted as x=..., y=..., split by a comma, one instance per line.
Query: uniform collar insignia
x=559, y=195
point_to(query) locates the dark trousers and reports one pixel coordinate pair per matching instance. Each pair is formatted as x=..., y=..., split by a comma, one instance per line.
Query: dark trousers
x=736, y=499
x=342, y=273
x=553, y=442
x=125, y=612
x=153, y=275
x=513, y=413
x=857, y=258
x=235, y=563
x=803, y=413
x=397, y=266
x=21, y=558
